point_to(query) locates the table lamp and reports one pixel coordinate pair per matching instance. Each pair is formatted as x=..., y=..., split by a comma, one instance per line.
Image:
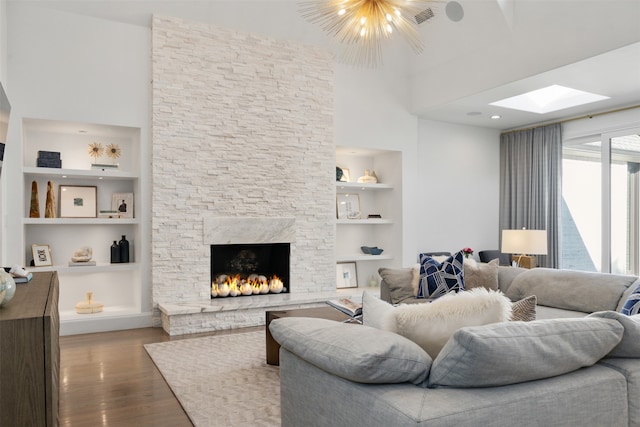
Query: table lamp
x=524, y=242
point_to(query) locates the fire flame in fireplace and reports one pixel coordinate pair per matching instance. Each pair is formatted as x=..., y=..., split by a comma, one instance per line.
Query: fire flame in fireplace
x=232, y=286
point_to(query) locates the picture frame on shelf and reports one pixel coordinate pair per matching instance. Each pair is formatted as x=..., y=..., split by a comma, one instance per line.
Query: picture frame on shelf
x=346, y=275
x=346, y=175
x=41, y=255
x=78, y=201
x=348, y=206
x=123, y=204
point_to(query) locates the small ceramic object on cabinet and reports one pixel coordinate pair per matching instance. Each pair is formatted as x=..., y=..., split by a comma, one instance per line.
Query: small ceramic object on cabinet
x=7, y=287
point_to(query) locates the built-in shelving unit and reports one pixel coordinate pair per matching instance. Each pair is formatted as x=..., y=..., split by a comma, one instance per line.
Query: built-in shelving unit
x=383, y=199
x=119, y=285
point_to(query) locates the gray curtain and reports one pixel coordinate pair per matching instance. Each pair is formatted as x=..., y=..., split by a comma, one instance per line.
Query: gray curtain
x=530, y=184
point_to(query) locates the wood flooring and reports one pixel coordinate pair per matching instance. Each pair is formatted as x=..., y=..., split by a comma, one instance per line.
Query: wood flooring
x=108, y=379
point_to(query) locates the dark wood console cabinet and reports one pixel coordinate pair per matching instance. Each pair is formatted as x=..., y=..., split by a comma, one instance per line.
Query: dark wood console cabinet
x=30, y=354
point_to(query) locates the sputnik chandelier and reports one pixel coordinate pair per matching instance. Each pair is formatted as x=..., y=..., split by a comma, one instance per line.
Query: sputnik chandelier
x=361, y=26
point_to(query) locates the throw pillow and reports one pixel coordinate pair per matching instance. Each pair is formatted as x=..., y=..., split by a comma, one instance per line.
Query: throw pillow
x=515, y=352
x=524, y=310
x=376, y=312
x=400, y=282
x=355, y=352
x=438, y=279
x=630, y=344
x=430, y=325
x=478, y=274
x=632, y=304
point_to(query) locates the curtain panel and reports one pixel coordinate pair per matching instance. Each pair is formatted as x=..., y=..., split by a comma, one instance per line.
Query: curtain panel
x=531, y=184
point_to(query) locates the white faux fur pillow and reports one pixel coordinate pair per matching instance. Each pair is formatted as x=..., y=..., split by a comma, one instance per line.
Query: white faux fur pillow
x=430, y=325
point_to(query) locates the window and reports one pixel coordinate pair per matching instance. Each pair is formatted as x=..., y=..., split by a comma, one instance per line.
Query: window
x=601, y=203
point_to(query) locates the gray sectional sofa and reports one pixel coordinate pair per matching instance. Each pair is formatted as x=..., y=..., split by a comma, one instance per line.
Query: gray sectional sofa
x=577, y=366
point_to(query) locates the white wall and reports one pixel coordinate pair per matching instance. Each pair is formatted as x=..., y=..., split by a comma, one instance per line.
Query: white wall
x=371, y=112
x=458, y=185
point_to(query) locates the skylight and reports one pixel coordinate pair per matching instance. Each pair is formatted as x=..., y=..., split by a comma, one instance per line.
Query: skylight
x=548, y=99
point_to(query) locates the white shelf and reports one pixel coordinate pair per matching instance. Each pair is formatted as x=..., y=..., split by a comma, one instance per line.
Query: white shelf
x=382, y=198
x=80, y=221
x=86, y=174
x=363, y=257
x=121, y=287
x=362, y=186
x=114, y=311
x=98, y=268
x=372, y=221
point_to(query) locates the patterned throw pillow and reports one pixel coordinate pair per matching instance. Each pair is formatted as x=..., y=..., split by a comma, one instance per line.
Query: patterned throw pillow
x=632, y=305
x=524, y=310
x=438, y=279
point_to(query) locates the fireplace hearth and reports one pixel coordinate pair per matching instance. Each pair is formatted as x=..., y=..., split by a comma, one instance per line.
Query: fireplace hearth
x=249, y=269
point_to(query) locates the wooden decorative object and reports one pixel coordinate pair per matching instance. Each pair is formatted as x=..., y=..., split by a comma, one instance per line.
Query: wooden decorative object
x=525, y=261
x=50, y=207
x=34, y=210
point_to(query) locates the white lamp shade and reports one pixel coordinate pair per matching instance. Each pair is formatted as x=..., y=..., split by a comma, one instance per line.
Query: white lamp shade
x=532, y=242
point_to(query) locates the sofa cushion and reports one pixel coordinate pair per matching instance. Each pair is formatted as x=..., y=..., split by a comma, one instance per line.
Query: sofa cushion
x=401, y=282
x=430, y=325
x=570, y=290
x=515, y=352
x=524, y=310
x=480, y=274
x=355, y=352
x=630, y=344
x=632, y=303
x=439, y=278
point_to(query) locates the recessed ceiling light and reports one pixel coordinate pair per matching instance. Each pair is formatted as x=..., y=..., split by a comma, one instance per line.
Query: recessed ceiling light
x=496, y=117
x=548, y=99
x=82, y=131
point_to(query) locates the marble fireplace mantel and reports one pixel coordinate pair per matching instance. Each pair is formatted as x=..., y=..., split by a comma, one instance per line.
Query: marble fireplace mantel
x=247, y=230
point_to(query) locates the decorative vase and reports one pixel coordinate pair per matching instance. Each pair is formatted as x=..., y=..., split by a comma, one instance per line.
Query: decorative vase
x=50, y=205
x=123, y=245
x=115, y=253
x=34, y=208
x=367, y=178
x=7, y=287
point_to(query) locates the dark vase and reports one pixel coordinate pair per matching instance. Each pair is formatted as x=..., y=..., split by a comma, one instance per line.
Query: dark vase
x=123, y=245
x=115, y=253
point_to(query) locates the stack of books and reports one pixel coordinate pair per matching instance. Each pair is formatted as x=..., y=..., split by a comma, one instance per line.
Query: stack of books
x=20, y=275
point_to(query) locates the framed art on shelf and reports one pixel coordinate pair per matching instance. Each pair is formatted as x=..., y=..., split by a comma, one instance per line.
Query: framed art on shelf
x=123, y=203
x=78, y=201
x=41, y=255
x=346, y=175
x=348, y=206
x=346, y=275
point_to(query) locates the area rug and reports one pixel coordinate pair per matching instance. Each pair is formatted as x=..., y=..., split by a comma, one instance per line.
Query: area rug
x=221, y=380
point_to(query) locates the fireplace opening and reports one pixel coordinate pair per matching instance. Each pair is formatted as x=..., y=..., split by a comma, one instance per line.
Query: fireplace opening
x=249, y=269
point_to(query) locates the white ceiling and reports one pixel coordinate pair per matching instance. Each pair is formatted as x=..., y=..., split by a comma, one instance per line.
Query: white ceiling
x=499, y=49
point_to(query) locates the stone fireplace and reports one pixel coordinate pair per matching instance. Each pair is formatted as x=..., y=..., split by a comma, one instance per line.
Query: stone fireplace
x=242, y=153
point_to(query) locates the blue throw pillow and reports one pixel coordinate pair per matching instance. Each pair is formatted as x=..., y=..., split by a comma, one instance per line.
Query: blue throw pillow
x=632, y=305
x=438, y=279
